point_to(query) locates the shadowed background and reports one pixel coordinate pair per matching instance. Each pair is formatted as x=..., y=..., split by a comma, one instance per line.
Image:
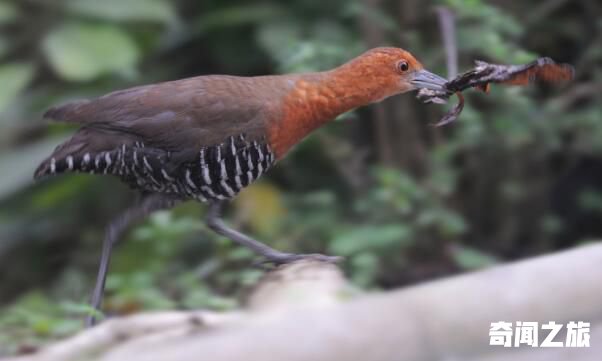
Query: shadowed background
x=518, y=175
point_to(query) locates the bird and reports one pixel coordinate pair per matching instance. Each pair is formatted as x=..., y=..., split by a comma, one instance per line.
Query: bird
x=206, y=138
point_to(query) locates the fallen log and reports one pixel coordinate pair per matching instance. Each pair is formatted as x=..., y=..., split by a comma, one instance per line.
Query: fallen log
x=308, y=311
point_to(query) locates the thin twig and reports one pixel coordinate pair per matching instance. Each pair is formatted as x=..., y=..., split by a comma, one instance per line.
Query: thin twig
x=447, y=24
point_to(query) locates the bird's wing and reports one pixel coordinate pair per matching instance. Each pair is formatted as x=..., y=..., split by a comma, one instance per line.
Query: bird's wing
x=177, y=115
x=198, y=110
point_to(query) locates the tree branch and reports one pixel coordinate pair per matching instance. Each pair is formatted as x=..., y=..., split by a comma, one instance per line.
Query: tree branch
x=308, y=311
x=447, y=25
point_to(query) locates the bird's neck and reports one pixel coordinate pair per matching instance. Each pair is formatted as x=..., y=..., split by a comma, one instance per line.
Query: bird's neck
x=331, y=93
x=317, y=98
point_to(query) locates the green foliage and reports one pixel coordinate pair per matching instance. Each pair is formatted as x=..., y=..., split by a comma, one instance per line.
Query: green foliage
x=8, y=13
x=470, y=258
x=19, y=162
x=124, y=10
x=82, y=52
x=238, y=15
x=14, y=78
x=33, y=320
x=382, y=237
x=483, y=27
x=299, y=48
x=488, y=188
x=591, y=200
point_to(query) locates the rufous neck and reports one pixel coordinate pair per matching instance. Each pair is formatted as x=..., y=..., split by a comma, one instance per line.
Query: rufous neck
x=317, y=98
x=340, y=90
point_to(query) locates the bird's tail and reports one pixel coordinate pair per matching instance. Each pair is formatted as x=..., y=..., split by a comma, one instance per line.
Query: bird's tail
x=66, y=157
x=88, y=150
x=68, y=113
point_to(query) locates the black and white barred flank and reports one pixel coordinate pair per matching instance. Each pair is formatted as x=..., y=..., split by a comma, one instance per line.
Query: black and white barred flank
x=218, y=172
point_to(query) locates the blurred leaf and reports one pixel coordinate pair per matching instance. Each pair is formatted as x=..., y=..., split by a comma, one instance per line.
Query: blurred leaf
x=135, y=290
x=513, y=144
x=590, y=200
x=279, y=39
x=14, y=77
x=8, y=12
x=36, y=315
x=164, y=225
x=370, y=237
x=81, y=309
x=365, y=266
x=54, y=193
x=125, y=10
x=160, y=238
x=241, y=254
x=492, y=44
x=295, y=48
x=82, y=52
x=470, y=258
x=377, y=16
x=323, y=198
x=22, y=162
x=494, y=17
x=261, y=206
x=238, y=15
x=199, y=297
x=447, y=222
x=4, y=46
x=551, y=224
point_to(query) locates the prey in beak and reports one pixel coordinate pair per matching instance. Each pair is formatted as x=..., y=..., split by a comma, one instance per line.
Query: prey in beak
x=424, y=79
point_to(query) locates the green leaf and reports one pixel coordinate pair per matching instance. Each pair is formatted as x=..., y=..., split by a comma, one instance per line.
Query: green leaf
x=4, y=46
x=125, y=10
x=590, y=200
x=470, y=258
x=238, y=15
x=22, y=161
x=81, y=309
x=14, y=78
x=371, y=237
x=365, y=266
x=83, y=52
x=447, y=222
x=8, y=12
x=376, y=15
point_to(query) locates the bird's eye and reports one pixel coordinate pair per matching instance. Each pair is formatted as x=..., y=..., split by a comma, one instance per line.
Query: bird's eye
x=403, y=66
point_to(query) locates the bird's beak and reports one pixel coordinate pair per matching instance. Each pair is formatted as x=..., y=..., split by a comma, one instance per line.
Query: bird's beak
x=427, y=80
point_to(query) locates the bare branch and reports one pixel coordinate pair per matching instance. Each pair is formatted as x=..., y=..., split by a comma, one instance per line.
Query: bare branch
x=307, y=311
x=447, y=24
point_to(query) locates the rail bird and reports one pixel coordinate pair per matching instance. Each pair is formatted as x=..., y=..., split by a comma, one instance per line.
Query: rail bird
x=205, y=138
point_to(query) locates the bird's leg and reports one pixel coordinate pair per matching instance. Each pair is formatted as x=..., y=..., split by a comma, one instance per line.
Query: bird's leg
x=215, y=222
x=114, y=231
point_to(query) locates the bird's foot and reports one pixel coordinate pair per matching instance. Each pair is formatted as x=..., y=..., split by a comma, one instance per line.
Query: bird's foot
x=280, y=258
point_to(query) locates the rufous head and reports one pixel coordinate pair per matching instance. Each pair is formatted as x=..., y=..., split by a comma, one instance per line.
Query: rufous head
x=390, y=71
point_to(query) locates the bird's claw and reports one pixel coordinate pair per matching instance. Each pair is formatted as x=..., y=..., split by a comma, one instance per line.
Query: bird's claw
x=281, y=258
x=433, y=96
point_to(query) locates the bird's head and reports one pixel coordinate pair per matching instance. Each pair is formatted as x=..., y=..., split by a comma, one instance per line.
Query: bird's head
x=390, y=71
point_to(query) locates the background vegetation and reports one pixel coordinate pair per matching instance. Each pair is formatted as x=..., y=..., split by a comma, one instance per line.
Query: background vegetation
x=518, y=175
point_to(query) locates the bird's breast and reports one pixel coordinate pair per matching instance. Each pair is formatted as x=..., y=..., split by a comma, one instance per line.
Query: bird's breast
x=306, y=107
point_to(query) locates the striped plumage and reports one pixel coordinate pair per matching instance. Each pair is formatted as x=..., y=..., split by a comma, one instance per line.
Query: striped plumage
x=217, y=172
